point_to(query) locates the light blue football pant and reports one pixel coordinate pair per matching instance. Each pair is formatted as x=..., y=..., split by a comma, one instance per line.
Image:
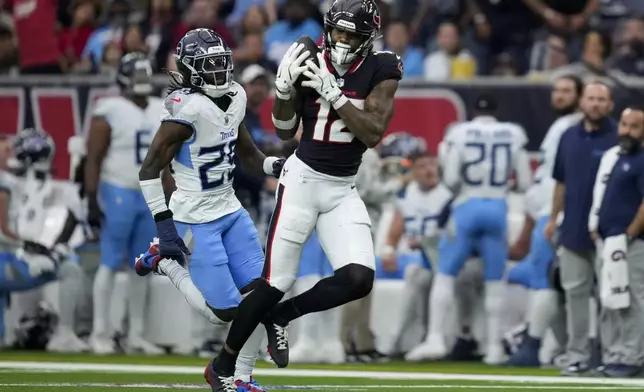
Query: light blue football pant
x=533, y=271
x=227, y=256
x=128, y=225
x=479, y=224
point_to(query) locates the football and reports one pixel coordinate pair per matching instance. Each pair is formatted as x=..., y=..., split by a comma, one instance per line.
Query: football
x=314, y=49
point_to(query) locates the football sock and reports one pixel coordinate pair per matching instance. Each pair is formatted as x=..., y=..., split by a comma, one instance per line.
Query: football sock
x=349, y=283
x=248, y=355
x=251, y=311
x=180, y=278
x=494, y=300
x=543, y=307
x=102, y=292
x=136, y=300
x=440, y=302
x=69, y=293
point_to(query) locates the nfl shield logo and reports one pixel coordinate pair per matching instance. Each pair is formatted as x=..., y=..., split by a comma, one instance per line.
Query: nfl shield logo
x=340, y=82
x=226, y=120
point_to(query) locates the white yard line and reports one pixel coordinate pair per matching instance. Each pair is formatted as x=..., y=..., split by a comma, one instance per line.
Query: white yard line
x=344, y=388
x=374, y=375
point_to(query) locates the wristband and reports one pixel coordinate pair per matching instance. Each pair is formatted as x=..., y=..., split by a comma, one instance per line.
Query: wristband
x=340, y=102
x=388, y=250
x=153, y=194
x=286, y=125
x=268, y=165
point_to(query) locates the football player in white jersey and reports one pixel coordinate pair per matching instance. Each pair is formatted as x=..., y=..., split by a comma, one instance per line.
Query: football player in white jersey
x=121, y=130
x=202, y=129
x=480, y=158
x=39, y=223
x=534, y=270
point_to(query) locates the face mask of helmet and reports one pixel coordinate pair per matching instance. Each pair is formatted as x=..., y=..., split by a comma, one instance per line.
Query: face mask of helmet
x=342, y=53
x=140, y=81
x=212, y=73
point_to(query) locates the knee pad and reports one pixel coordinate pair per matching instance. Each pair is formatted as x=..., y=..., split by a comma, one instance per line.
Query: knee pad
x=224, y=315
x=357, y=278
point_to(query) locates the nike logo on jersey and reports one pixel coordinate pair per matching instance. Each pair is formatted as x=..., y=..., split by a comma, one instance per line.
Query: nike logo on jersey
x=176, y=99
x=353, y=187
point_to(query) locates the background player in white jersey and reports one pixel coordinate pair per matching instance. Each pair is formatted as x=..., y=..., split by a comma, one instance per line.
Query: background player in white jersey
x=481, y=156
x=535, y=270
x=39, y=222
x=121, y=130
x=201, y=131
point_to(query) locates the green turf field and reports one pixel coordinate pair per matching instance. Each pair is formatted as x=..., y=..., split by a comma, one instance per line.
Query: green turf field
x=39, y=372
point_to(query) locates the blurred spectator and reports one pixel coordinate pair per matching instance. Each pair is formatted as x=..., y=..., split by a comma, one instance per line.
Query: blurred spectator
x=72, y=40
x=204, y=14
x=257, y=84
x=596, y=47
x=252, y=52
x=242, y=9
x=564, y=17
x=424, y=16
x=118, y=12
x=548, y=55
x=254, y=21
x=297, y=22
x=504, y=65
x=111, y=58
x=160, y=29
x=397, y=38
x=612, y=11
x=35, y=26
x=450, y=60
x=133, y=40
x=501, y=26
x=8, y=50
x=630, y=52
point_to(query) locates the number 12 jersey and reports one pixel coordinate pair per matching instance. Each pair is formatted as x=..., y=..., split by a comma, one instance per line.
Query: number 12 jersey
x=327, y=145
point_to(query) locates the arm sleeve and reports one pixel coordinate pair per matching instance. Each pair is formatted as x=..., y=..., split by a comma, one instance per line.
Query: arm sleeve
x=390, y=66
x=558, y=172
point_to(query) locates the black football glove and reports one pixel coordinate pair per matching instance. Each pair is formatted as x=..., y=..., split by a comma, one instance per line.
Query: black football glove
x=277, y=167
x=171, y=246
x=94, y=216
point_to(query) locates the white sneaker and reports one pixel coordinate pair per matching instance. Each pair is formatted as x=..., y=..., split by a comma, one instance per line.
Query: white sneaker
x=304, y=351
x=495, y=355
x=102, y=346
x=431, y=349
x=137, y=344
x=66, y=341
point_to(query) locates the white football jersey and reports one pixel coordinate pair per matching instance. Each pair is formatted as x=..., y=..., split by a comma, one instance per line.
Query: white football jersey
x=544, y=185
x=481, y=156
x=43, y=206
x=132, y=130
x=421, y=210
x=203, y=166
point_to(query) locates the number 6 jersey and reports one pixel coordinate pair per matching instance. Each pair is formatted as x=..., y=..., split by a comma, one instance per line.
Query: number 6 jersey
x=203, y=167
x=327, y=145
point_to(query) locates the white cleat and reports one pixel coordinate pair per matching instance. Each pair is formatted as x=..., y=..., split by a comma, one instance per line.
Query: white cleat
x=495, y=355
x=332, y=353
x=140, y=345
x=66, y=341
x=102, y=346
x=433, y=348
x=304, y=351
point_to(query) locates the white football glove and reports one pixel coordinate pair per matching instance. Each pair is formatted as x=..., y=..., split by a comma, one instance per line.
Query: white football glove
x=37, y=264
x=323, y=81
x=289, y=70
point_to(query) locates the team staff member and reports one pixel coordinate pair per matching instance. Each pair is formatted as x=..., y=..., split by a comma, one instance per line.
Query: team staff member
x=621, y=214
x=576, y=164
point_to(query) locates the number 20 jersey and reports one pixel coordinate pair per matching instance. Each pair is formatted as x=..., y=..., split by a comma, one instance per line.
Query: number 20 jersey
x=204, y=164
x=132, y=130
x=327, y=146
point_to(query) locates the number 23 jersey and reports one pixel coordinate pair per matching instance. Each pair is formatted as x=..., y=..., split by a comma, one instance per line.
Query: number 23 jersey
x=327, y=145
x=202, y=168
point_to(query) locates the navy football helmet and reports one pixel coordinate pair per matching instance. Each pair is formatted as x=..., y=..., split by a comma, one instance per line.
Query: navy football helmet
x=204, y=61
x=356, y=17
x=33, y=148
x=134, y=74
x=401, y=145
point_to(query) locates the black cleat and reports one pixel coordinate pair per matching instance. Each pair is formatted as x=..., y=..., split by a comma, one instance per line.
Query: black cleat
x=277, y=343
x=219, y=382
